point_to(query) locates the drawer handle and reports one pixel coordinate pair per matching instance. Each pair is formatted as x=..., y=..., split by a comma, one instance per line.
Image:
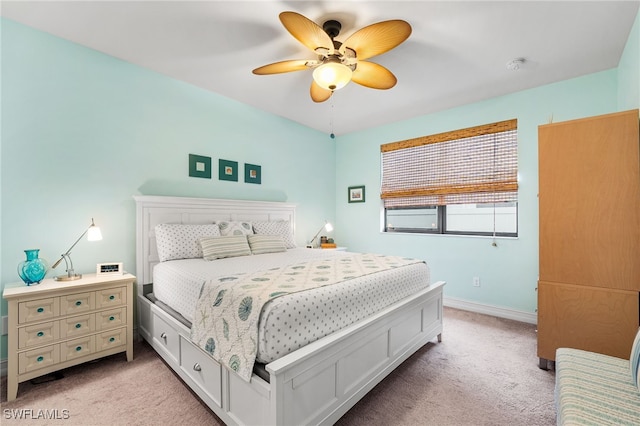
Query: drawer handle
x=40, y=333
x=197, y=367
x=40, y=359
x=40, y=310
x=163, y=335
x=78, y=325
x=112, y=339
x=78, y=303
x=112, y=297
x=111, y=318
x=78, y=348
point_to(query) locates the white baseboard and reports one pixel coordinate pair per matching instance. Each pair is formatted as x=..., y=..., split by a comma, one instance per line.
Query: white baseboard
x=496, y=311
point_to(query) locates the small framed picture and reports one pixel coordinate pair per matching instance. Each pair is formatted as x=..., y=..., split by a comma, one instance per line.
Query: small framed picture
x=228, y=170
x=356, y=194
x=199, y=166
x=252, y=173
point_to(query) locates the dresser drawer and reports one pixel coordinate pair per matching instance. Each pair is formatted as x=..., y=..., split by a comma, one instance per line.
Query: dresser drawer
x=77, y=303
x=203, y=369
x=77, y=326
x=77, y=348
x=111, y=339
x=111, y=319
x=167, y=336
x=111, y=297
x=38, y=358
x=38, y=334
x=38, y=310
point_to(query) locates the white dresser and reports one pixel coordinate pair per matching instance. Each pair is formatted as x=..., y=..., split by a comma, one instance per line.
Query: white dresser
x=57, y=324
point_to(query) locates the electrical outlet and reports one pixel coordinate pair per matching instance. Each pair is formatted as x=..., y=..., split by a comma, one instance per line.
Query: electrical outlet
x=476, y=281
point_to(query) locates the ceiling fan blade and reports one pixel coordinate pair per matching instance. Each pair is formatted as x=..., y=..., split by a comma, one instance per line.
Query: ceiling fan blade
x=283, y=66
x=318, y=94
x=306, y=31
x=377, y=38
x=373, y=75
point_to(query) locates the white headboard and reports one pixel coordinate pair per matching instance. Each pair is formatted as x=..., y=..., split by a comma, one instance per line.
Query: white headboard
x=152, y=210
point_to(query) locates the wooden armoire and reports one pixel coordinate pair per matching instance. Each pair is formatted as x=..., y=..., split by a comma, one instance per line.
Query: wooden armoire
x=589, y=200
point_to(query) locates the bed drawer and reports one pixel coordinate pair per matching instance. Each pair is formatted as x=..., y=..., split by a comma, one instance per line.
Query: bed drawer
x=166, y=337
x=203, y=369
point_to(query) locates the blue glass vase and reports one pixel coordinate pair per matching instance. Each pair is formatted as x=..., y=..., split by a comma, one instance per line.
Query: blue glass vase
x=32, y=270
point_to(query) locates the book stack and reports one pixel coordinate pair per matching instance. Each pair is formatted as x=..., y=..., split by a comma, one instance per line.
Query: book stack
x=328, y=245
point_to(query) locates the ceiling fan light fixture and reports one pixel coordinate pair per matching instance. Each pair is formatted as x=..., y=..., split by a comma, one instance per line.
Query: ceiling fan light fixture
x=332, y=75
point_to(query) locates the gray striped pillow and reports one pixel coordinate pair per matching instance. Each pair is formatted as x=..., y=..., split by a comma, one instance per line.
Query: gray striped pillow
x=261, y=244
x=226, y=246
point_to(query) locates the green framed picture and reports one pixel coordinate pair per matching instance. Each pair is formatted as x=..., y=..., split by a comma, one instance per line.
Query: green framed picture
x=199, y=166
x=228, y=170
x=252, y=173
x=356, y=194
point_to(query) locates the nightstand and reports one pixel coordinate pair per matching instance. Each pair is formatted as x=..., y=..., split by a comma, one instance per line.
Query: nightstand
x=57, y=324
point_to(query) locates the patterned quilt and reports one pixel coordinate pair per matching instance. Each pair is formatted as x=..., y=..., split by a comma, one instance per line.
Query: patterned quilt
x=226, y=317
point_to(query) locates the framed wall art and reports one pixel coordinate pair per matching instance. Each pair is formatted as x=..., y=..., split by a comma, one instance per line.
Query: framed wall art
x=356, y=194
x=228, y=170
x=252, y=173
x=199, y=166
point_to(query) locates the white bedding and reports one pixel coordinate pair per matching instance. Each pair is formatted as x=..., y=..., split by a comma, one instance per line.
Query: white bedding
x=294, y=320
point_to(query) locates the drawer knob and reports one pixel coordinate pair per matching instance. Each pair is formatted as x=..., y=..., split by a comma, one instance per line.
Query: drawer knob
x=197, y=367
x=78, y=303
x=78, y=348
x=112, y=339
x=40, y=333
x=40, y=310
x=111, y=318
x=78, y=325
x=40, y=359
x=163, y=336
x=112, y=297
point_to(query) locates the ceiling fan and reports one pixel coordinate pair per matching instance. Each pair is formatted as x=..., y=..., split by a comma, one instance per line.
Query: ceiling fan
x=339, y=63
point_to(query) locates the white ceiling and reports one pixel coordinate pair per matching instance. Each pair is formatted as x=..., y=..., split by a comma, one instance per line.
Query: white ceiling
x=455, y=55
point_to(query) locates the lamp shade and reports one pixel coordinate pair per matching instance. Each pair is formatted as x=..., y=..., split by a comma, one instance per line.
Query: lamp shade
x=332, y=75
x=94, y=234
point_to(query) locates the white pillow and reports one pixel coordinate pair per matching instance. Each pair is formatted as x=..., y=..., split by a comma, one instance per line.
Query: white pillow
x=234, y=227
x=225, y=246
x=181, y=241
x=261, y=244
x=278, y=227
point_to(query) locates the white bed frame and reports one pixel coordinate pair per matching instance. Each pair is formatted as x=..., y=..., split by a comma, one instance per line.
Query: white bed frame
x=316, y=384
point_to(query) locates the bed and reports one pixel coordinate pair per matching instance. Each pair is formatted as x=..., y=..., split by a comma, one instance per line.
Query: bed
x=314, y=381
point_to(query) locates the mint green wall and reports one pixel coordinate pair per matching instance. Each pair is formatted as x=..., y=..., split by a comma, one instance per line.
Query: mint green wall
x=629, y=70
x=508, y=272
x=83, y=132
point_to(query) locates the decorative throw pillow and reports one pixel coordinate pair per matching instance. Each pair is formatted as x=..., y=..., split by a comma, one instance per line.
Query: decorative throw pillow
x=261, y=244
x=277, y=227
x=182, y=241
x=234, y=227
x=225, y=246
x=634, y=360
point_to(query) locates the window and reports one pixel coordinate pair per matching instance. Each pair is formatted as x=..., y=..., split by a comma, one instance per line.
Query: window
x=460, y=182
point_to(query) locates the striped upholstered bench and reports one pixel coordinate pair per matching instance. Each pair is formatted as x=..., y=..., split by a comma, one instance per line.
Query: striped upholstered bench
x=596, y=389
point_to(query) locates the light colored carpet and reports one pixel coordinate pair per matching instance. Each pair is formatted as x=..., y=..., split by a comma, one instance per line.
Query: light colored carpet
x=483, y=373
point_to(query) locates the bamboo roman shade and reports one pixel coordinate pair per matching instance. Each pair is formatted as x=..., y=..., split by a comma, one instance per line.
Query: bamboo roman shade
x=474, y=165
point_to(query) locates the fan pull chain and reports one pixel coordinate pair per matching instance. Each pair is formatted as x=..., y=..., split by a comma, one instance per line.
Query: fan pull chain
x=331, y=135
